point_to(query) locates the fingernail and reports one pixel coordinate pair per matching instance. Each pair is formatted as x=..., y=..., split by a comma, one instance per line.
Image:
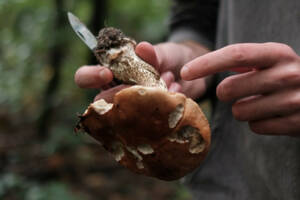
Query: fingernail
x=185, y=72
x=103, y=75
x=169, y=76
x=174, y=88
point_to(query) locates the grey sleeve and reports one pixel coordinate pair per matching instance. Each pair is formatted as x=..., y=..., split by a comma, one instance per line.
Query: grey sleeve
x=194, y=20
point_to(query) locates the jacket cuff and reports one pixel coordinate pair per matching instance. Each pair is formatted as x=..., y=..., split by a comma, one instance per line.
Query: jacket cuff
x=188, y=34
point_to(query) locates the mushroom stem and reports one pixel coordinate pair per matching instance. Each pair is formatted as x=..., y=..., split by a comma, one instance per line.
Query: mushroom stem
x=117, y=52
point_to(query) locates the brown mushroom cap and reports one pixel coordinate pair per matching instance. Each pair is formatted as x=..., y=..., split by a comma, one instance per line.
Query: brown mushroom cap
x=150, y=131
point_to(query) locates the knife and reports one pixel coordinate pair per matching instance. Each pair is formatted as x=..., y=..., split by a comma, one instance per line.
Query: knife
x=82, y=31
x=88, y=38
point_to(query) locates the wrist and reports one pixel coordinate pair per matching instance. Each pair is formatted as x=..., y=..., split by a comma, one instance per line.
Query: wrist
x=182, y=53
x=194, y=49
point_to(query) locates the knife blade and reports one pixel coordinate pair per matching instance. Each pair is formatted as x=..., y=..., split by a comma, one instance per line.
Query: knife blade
x=82, y=31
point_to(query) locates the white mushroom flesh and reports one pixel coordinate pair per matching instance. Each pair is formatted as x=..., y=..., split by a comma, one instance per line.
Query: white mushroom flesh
x=176, y=115
x=191, y=135
x=140, y=165
x=134, y=153
x=117, y=151
x=101, y=106
x=145, y=149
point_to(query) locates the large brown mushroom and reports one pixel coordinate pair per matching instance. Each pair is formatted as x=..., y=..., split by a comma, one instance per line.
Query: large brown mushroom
x=147, y=129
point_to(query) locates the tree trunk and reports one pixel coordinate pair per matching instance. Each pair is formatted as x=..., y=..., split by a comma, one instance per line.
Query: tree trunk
x=98, y=15
x=56, y=55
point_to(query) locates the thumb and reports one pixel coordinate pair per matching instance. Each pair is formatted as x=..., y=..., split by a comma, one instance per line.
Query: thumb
x=147, y=52
x=164, y=57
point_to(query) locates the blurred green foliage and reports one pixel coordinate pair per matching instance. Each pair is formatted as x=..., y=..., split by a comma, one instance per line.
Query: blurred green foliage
x=27, y=34
x=145, y=20
x=28, y=38
x=182, y=193
x=26, y=190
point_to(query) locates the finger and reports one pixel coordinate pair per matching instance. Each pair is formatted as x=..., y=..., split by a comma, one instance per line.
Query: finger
x=287, y=125
x=266, y=106
x=171, y=57
x=162, y=56
x=147, y=52
x=108, y=95
x=193, y=89
x=237, y=55
x=168, y=77
x=92, y=76
x=175, y=87
x=241, y=69
x=259, y=82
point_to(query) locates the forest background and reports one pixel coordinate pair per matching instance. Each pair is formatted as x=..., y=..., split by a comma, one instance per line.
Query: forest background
x=41, y=158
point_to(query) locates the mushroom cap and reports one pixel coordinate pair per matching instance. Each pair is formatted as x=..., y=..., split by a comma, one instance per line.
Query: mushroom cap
x=150, y=131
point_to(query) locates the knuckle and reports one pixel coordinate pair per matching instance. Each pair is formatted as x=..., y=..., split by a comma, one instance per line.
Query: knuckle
x=283, y=50
x=238, y=113
x=278, y=45
x=256, y=128
x=294, y=101
x=291, y=75
x=286, y=48
x=225, y=90
x=293, y=121
x=274, y=81
x=293, y=70
x=238, y=52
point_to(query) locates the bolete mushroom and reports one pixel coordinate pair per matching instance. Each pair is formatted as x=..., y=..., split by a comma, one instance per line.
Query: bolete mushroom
x=147, y=129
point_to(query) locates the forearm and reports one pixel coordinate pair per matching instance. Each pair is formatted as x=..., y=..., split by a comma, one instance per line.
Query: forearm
x=194, y=20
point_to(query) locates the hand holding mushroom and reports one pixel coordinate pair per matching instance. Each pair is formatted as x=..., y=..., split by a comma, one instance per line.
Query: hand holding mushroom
x=149, y=130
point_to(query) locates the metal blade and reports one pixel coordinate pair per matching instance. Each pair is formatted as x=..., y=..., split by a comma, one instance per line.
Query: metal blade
x=82, y=31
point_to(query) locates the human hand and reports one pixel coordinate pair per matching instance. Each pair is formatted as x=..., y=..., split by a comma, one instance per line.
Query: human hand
x=97, y=77
x=266, y=93
x=167, y=58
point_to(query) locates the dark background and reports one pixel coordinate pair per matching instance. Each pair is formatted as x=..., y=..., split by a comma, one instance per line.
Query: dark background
x=41, y=158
